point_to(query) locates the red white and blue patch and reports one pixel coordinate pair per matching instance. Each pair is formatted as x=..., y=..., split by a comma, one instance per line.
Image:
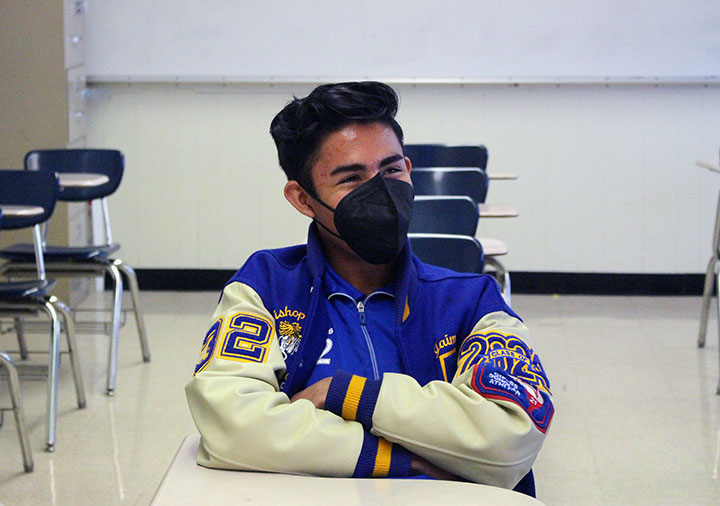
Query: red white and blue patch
x=494, y=383
x=504, y=351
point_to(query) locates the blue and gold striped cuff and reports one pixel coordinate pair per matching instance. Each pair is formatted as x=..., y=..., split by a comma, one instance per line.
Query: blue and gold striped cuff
x=380, y=458
x=353, y=397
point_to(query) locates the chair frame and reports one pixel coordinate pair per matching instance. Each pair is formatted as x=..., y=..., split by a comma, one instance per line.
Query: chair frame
x=98, y=266
x=33, y=304
x=17, y=409
x=712, y=278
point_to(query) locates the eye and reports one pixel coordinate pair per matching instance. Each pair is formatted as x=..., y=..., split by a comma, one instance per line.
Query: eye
x=349, y=179
x=391, y=170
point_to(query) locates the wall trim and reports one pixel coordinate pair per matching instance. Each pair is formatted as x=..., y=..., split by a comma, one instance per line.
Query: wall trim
x=565, y=283
x=595, y=283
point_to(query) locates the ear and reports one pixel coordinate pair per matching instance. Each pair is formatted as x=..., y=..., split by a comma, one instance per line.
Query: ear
x=408, y=164
x=298, y=198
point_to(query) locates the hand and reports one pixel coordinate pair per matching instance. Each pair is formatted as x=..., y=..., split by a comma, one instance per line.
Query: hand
x=419, y=465
x=315, y=393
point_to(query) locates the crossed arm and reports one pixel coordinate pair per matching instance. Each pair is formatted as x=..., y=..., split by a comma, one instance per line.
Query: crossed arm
x=317, y=393
x=478, y=427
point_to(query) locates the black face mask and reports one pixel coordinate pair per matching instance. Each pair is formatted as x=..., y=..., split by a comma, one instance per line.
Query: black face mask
x=374, y=218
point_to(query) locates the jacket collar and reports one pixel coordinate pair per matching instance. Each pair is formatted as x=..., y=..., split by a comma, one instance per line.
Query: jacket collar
x=405, y=273
x=315, y=254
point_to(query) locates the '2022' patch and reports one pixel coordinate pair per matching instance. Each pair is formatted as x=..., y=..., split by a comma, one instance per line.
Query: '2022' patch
x=494, y=383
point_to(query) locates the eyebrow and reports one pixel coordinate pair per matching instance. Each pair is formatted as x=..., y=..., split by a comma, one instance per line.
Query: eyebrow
x=358, y=167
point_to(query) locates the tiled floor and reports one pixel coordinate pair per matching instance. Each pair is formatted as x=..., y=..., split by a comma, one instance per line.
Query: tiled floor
x=637, y=420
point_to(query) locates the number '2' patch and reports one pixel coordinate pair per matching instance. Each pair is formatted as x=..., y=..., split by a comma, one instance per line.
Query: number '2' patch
x=247, y=339
x=208, y=346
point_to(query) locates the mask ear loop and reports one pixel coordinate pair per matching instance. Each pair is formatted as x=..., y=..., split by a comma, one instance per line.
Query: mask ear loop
x=318, y=199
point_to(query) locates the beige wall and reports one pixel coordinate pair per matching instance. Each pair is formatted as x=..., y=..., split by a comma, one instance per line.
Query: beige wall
x=32, y=87
x=607, y=181
x=33, y=99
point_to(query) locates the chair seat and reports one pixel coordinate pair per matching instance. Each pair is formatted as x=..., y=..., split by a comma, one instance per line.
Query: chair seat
x=26, y=252
x=20, y=289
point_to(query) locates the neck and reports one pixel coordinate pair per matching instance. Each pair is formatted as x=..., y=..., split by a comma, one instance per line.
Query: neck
x=362, y=275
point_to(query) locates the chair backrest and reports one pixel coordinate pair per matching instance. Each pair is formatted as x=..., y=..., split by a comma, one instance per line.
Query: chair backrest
x=441, y=155
x=26, y=188
x=444, y=215
x=109, y=162
x=472, y=182
x=460, y=253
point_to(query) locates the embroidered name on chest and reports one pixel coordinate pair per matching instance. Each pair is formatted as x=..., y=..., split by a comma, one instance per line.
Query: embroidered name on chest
x=445, y=345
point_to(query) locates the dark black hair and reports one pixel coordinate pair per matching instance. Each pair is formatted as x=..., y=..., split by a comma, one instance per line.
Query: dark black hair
x=302, y=125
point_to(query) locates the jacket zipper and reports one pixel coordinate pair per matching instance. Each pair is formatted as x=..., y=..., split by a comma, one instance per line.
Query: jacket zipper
x=368, y=341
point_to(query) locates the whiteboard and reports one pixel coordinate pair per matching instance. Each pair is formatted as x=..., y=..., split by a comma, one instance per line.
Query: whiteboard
x=398, y=40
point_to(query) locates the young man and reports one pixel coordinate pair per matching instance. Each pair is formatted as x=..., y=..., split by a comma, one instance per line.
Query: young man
x=348, y=356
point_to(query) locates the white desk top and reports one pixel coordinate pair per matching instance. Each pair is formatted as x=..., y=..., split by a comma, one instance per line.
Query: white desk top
x=501, y=176
x=493, y=247
x=81, y=179
x=186, y=483
x=708, y=166
x=18, y=211
x=491, y=211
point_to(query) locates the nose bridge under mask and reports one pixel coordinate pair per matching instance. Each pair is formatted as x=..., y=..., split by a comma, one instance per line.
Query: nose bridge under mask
x=374, y=218
x=362, y=193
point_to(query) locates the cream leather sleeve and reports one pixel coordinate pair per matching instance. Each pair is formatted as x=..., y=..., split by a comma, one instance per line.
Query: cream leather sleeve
x=245, y=421
x=488, y=424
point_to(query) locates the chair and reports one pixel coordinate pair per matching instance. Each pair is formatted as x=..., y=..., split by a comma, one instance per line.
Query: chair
x=469, y=182
x=455, y=215
x=440, y=155
x=20, y=299
x=462, y=156
x=472, y=182
x=441, y=232
x=444, y=214
x=460, y=253
x=712, y=274
x=16, y=403
x=86, y=261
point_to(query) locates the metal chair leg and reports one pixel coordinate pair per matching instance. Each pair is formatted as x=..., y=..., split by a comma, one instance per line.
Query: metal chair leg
x=115, y=328
x=129, y=273
x=502, y=276
x=707, y=295
x=14, y=387
x=508, y=292
x=53, y=366
x=717, y=391
x=20, y=333
x=72, y=348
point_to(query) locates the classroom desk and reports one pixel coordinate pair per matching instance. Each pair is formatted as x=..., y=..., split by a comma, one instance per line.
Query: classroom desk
x=81, y=179
x=493, y=247
x=500, y=176
x=186, y=483
x=492, y=211
x=20, y=211
x=66, y=180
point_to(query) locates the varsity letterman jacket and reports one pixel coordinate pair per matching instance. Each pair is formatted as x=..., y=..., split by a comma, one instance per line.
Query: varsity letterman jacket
x=474, y=399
